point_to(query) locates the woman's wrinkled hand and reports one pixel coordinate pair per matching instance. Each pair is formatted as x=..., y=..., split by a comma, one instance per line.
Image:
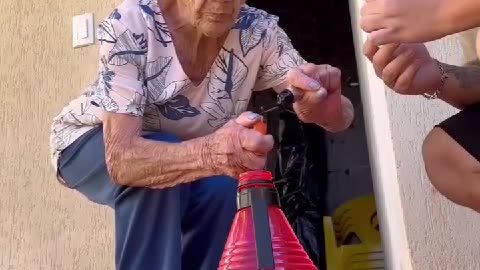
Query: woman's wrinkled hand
x=408, y=69
x=405, y=21
x=237, y=147
x=318, y=93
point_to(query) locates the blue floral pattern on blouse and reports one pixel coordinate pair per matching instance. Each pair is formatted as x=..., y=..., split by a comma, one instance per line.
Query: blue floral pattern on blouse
x=140, y=75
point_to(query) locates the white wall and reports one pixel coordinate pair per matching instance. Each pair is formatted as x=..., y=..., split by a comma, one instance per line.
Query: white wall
x=440, y=234
x=44, y=226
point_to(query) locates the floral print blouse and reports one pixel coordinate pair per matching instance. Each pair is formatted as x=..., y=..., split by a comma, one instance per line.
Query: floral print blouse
x=140, y=74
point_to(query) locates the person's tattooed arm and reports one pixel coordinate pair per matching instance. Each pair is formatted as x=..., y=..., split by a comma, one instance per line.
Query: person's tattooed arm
x=463, y=85
x=474, y=63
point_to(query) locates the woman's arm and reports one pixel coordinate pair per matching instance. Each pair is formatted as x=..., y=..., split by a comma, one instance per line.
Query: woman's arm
x=461, y=15
x=135, y=161
x=337, y=120
x=334, y=112
x=409, y=21
x=462, y=87
x=409, y=69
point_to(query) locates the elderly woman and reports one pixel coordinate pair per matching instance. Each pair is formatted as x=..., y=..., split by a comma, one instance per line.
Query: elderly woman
x=163, y=133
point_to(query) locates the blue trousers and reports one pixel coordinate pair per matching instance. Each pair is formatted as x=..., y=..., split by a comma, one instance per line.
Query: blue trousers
x=179, y=228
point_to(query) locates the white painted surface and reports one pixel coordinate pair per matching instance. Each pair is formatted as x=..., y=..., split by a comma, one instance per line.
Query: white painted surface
x=421, y=230
x=440, y=234
x=382, y=157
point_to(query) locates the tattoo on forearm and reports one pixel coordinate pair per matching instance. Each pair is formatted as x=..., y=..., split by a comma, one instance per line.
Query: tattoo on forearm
x=475, y=62
x=468, y=76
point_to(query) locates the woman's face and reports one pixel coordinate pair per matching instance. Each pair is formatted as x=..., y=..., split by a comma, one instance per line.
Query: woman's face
x=213, y=17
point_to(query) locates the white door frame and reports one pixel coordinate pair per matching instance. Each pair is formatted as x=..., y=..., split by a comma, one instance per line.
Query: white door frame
x=381, y=153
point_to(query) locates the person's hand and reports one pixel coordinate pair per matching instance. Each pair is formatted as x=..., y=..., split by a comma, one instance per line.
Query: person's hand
x=236, y=147
x=318, y=92
x=406, y=68
x=405, y=21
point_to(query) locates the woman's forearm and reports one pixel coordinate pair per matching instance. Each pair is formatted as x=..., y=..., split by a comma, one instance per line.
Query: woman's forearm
x=462, y=87
x=135, y=161
x=461, y=15
x=148, y=163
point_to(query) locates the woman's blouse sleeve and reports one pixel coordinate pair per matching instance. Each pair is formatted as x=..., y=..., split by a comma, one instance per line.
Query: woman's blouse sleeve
x=123, y=53
x=278, y=58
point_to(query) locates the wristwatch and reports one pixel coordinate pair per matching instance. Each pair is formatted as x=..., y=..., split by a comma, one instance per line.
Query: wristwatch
x=443, y=80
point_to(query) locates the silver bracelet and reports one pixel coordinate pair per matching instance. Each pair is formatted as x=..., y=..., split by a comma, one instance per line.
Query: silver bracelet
x=443, y=80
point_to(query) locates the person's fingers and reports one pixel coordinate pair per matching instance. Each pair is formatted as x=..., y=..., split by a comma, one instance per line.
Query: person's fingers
x=308, y=68
x=297, y=78
x=396, y=67
x=330, y=77
x=372, y=22
x=302, y=84
x=309, y=97
x=405, y=80
x=370, y=49
x=255, y=142
x=248, y=119
x=254, y=162
x=384, y=56
x=382, y=36
x=370, y=7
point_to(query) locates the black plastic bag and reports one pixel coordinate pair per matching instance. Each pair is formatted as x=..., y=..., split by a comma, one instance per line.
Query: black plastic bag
x=300, y=179
x=299, y=165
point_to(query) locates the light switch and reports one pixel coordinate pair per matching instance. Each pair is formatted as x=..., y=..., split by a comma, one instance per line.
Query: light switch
x=83, y=32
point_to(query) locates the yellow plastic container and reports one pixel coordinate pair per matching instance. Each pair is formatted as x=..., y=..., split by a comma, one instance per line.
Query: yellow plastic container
x=355, y=218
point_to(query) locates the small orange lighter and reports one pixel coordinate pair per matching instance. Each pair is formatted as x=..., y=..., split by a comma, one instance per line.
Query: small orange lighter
x=261, y=126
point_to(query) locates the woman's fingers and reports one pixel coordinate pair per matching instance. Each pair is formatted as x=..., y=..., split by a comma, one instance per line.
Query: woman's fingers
x=372, y=22
x=248, y=119
x=405, y=80
x=256, y=142
x=254, y=161
x=383, y=57
x=297, y=78
x=331, y=77
x=370, y=49
x=383, y=36
x=250, y=139
x=396, y=67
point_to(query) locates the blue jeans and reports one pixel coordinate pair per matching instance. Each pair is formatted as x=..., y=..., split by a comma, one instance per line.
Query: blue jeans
x=183, y=227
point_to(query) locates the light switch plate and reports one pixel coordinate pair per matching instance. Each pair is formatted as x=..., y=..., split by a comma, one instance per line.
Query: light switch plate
x=82, y=30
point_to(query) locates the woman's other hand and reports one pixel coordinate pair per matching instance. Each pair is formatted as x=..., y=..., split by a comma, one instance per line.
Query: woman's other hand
x=402, y=21
x=318, y=96
x=408, y=69
x=237, y=147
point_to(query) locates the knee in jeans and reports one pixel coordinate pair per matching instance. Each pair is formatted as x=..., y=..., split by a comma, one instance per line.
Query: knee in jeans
x=162, y=137
x=221, y=189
